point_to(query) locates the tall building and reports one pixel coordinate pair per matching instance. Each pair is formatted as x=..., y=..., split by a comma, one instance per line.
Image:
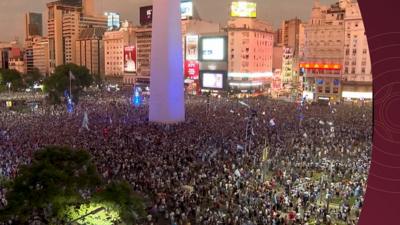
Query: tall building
x=143, y=49
x=250, y=52
x=9, y=51
x=37, y=54
x=33, y=24
x=113, y=20
x=66, y=18
x=323, y=52
x=291, y=34
x=277, y=57
x=63, y=31
x=28, y=55
x=278, y=39
x=292, y=40
x=17, y=64
x=357, y=77
x=40, y=55
x=90, y=50
x=115, y=47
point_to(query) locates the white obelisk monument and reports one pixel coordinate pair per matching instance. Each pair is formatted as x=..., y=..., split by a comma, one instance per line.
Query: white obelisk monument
x=166, y=77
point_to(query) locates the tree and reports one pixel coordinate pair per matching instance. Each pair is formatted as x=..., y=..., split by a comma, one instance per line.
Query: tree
x=60, y=179
x=11, y=76
x=33, y=77
x=59, y=82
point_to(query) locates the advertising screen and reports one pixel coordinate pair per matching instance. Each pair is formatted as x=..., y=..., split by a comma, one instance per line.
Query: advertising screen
x=146, y=15
x=244, y=9
x=192, y=69
x=130, y=59
x=192, y=44
x=213, y=48
x=213, y=80
x=186, y=9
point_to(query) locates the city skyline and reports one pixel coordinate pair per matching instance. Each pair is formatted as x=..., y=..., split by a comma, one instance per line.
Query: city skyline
x=273, y=11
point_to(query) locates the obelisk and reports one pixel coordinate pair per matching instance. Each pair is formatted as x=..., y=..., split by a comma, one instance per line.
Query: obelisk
x=167, y=104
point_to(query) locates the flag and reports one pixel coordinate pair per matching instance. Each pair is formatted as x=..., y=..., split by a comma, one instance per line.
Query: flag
x=71, y=75
x=85, y=122
x=237, y=173
x=272, y=122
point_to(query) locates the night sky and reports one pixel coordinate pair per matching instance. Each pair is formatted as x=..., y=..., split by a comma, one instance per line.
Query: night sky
x=274, y=11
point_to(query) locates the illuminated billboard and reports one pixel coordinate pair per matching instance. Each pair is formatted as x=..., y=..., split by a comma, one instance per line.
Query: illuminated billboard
x=324, y=66
x=130, y=59
x=192, y=47
x=213, y=48
x=244, y=9
x=146, y=15
x=186, y=9
x=213, y=80
x=192, y=69
x=113, y=20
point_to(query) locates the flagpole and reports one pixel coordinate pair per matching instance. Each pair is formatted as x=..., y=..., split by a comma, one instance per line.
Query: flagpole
x=70, y=85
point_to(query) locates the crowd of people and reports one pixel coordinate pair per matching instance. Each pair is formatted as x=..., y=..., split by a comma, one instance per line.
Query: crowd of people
x=304, y=163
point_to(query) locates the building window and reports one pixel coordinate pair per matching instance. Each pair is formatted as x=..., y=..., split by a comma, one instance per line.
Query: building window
x=364, y=51
x=347, y=51
x=354, y=51
x=335, y=90
x=363, y=70
x=327, y=90
x=353, y=70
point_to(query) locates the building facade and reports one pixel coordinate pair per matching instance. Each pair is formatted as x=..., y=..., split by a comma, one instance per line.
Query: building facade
x=357, y=76
x=115, y=43
x=66, y=19
x=9, y=51
x=143, y=44
x=90, y=50
x=250, y=52
x=36, y=55
x=323, y=52
x=33, y=24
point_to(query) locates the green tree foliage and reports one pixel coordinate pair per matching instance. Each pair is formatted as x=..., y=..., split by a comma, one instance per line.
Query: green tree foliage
x=53, y=180
x=58, y=82
x=11, y=76
x=33, y=77
x=60, y=179
x=120, y=194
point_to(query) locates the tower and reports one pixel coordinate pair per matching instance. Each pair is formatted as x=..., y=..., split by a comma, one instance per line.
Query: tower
x=88, y=7
x=166, y=76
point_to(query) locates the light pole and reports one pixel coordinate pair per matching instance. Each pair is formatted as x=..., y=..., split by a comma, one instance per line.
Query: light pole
x=9, y=87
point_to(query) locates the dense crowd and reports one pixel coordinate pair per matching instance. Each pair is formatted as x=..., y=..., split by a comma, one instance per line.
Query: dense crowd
x=205, y=171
